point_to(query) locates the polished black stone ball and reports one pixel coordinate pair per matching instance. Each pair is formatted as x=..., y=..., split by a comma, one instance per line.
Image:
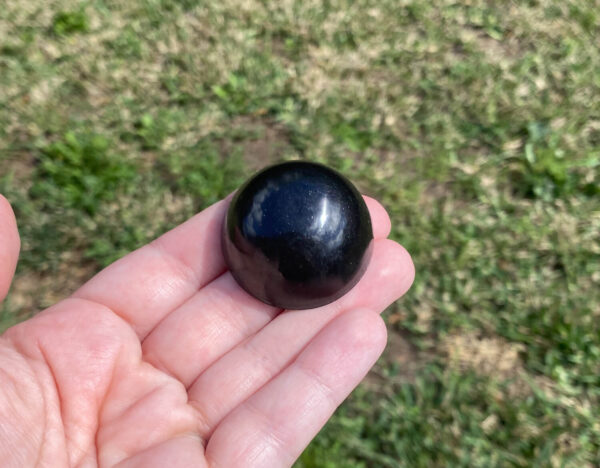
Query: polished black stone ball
x=297, y=235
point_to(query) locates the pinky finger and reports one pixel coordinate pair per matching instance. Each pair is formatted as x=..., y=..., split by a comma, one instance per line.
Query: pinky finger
x=272, y=428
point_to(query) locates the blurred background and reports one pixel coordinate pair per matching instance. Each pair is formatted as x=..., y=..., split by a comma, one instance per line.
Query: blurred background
x=476, y=124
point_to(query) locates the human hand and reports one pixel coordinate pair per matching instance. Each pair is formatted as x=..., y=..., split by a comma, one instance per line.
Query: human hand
x=162, y=360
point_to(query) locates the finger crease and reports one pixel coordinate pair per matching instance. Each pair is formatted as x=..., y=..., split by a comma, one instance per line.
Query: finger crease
x=183, y=269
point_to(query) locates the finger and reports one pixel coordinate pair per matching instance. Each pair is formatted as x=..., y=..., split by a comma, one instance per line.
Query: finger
x=380, y=219
x=214, y=320
x=272, y=428
x=145, y=285
x=9, y=246
x=217, y=318
x=249, y=366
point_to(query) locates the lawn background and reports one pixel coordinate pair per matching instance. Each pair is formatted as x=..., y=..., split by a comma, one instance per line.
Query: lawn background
x=476, y=123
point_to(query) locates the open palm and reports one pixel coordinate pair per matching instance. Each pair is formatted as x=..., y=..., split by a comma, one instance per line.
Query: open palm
x=162, y=360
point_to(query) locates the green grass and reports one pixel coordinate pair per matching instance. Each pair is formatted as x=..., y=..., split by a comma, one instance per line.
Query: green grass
x=476, y=124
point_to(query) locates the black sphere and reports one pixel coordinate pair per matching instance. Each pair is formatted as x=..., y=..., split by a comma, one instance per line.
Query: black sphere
x=297, y=235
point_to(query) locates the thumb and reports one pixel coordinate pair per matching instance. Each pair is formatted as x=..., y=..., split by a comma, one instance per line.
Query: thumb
x=9, y=246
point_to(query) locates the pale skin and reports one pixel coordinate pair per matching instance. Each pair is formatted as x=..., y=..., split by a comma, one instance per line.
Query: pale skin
x=162, y=360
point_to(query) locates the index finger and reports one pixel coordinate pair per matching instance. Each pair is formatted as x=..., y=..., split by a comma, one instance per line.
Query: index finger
x=146, y=285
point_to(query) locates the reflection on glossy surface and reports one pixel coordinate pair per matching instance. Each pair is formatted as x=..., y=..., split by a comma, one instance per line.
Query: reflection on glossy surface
x=297, y=235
